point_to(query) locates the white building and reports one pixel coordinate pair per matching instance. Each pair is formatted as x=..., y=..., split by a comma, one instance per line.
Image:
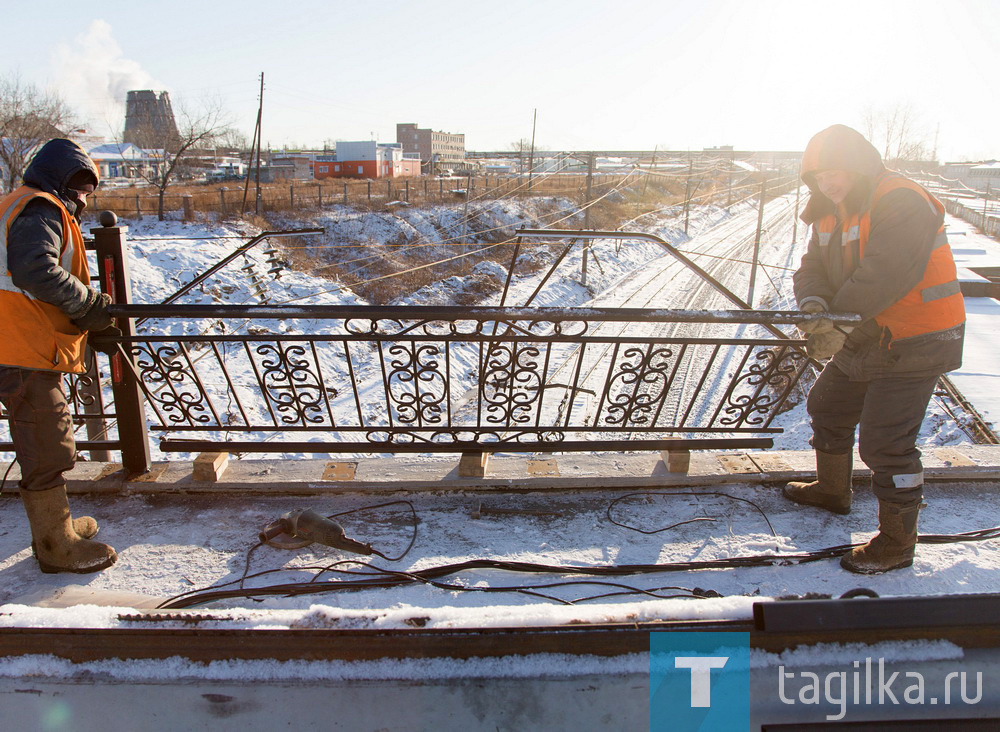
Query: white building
x=119, y=160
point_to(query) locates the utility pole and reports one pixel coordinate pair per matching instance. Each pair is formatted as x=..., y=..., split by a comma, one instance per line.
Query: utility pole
x=756, y=241
x=687, y=195
x=531, y=154
x=254, y=147
x=260, y=111
x=590, y=181
x=645, y=183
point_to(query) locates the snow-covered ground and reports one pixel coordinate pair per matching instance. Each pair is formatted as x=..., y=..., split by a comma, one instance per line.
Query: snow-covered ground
x=169, y=546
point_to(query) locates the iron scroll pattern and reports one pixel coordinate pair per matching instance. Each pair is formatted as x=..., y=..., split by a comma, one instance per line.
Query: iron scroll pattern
x=463, y=383
x=416, y=382
x=291, y=383
x=172, y=385
x=638, y=385
x=511, y=383
x=761, y=386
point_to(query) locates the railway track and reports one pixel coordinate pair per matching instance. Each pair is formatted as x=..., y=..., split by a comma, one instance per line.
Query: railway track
x=671, y=284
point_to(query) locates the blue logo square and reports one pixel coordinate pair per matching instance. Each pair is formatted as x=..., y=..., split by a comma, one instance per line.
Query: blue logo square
x=701, y=681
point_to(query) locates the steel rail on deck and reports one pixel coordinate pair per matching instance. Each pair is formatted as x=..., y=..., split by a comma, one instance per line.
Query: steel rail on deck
x=969, y=621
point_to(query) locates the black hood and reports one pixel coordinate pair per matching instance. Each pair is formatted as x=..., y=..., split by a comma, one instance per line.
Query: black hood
x=54, y=164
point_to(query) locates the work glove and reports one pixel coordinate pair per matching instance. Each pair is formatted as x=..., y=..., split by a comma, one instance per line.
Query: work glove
x=104, y=340
x=822, y=346
x=822, y=325
x=95, y=317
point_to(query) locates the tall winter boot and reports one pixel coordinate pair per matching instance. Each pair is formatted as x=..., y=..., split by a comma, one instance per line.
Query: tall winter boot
x=892, y=547
x=58, y=547
x=832, y=489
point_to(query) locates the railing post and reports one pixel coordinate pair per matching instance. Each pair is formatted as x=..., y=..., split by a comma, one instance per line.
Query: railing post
x=92, y=403
x=222, y=200
x=109, y=241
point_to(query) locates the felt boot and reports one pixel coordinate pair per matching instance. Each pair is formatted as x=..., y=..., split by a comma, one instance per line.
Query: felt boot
x=58, y=547
x=892, y=547
x=832, y=489
x=85, y=527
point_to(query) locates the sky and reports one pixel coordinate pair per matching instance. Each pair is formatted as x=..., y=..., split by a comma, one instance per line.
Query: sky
x=633, y=74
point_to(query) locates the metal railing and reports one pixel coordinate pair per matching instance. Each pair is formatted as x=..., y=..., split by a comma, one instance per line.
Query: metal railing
x=452, y=379
x=434, y=379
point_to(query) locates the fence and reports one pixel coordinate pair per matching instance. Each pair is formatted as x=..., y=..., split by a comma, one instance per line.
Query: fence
x=988, y=221
x=434, y=379
x=308, y=195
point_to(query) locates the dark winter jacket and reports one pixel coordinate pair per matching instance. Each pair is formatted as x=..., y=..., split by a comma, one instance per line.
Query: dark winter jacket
x=35, y=237
x=902, y=238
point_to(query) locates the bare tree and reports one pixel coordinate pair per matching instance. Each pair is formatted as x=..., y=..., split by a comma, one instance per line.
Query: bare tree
x=897, y=131
x=28, y=118
x=172, y=152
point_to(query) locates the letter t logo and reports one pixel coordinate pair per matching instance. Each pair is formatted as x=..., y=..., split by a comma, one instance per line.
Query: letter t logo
x=701, y=671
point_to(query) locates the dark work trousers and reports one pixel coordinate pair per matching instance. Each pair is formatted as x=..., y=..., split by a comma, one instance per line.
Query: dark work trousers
x=41, y=427
x=889, y=412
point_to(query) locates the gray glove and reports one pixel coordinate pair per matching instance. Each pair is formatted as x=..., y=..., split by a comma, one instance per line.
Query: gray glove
x=95, y=317
x=825, y=345
x=821, y=325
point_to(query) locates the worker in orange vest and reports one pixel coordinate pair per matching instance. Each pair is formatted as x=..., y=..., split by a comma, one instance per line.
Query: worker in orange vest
x=877, y=249
x=47, y=307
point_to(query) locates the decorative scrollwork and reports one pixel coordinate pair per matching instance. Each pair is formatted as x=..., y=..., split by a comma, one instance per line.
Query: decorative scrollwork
x=638, y=385
x=462, y=437
x=415, y=383
x=290, y=381
x=171, y=383
x=511, y=383
x=760, y=389
x=373, y=326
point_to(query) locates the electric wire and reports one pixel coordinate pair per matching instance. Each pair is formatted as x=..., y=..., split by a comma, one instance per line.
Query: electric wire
x=387, y=578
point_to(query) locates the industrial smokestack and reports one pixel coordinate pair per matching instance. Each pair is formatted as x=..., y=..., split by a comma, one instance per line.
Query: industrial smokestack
x=149, y=121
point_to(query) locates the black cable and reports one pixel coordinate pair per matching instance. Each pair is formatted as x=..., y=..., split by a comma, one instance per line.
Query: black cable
x=413, y=538
x=386, y=578
x=681, y=523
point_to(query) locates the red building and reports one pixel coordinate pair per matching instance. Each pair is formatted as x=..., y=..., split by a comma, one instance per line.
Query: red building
x=366, y=159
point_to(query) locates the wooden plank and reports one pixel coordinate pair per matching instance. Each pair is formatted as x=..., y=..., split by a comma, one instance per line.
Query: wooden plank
x=543, y=468
x=677, y=461
x=473, y=464
x=952, y=457
x=340, y=471
x=768, y=462
x=209, y=466
x=738, y=464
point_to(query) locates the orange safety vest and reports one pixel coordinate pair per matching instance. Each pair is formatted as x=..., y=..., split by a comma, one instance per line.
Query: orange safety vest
x=36, y=334
x=936, y=302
